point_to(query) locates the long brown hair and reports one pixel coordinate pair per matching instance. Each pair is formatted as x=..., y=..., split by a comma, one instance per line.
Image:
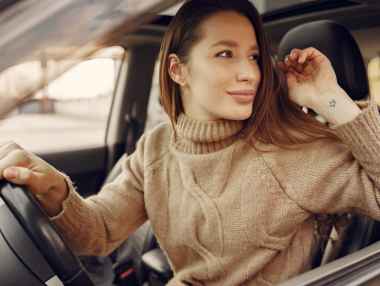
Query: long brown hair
x=275, y=118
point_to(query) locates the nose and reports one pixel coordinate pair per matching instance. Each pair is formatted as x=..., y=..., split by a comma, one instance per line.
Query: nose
x=247, y=71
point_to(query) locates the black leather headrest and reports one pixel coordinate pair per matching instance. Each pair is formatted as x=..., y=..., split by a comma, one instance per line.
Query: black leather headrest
x=337, y=43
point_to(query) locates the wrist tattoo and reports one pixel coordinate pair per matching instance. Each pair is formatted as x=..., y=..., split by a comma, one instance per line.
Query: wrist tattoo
x=332, y=103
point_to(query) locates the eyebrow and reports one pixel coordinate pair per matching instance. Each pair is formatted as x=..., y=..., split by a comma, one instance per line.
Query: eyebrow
x=231, y=44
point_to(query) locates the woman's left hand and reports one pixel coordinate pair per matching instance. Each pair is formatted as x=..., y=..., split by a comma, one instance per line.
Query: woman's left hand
x=312, y=83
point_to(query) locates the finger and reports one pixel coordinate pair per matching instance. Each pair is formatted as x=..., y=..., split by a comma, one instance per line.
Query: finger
x=294, y=71
x=305, y=55
x=4, y=143
x=311, y=54
x=309, y=69
x=18, y=175
x=286, y=69
x=291, y=67
x=299, y=68
x=302, y=58
x=291, y=79
x=289, y=63
x=282, y=66
x=295, y=54
x=286, y=61
x=306, y=68
x=293, y=60
x=26, y=177
x=15, y=158
x=299, y=76
x=7, y=147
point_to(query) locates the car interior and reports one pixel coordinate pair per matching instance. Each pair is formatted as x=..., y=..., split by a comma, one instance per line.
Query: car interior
x=346, y=31
x=327, y=36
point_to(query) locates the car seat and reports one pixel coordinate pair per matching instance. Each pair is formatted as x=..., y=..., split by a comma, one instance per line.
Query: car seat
x=127, y=264
x=344, y=233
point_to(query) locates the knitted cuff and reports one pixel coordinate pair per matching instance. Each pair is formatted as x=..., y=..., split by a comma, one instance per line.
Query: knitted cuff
x=72, y=201
x=362, y=134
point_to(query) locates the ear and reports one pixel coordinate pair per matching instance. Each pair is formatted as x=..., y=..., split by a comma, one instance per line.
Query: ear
x=177, y=70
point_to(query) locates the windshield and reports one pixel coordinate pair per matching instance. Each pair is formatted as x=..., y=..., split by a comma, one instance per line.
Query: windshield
x=66, y=30
x=60, y=27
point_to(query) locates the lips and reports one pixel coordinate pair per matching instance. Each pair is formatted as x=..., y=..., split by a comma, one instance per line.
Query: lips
x=242, y=96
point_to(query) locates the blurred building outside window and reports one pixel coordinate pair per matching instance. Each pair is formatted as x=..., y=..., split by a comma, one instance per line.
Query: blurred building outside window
x=374, y=78
x=70, y=112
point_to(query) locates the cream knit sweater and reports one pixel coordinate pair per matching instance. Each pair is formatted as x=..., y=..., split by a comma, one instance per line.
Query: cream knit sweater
x=223, y=213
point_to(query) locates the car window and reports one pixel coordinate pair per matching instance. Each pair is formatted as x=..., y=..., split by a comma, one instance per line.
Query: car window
x=374, y=78
x=69, y=112
x=156, y=113
x=30, y=26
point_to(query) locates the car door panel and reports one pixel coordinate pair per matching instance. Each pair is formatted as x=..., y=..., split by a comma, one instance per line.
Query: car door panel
x=86, y=167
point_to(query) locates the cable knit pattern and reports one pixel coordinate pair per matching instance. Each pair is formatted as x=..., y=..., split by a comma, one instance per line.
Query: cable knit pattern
x=223, y=213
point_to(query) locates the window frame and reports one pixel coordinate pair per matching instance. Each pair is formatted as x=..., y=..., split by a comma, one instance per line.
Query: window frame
x=354, y=269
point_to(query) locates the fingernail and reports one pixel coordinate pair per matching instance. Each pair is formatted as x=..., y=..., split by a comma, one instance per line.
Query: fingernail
x=11, y=173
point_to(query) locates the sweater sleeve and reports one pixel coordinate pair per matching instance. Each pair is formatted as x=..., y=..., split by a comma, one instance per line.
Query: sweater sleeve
x=100, y=223
x=327, y=176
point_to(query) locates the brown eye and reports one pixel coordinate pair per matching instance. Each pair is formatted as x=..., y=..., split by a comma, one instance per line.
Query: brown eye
x=255, y=57
x=224, y=54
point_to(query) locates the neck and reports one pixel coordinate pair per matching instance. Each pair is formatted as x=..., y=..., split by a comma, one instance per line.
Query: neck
x=199, y=137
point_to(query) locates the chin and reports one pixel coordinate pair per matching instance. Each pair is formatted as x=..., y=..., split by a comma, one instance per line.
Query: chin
x=245, y=113
x=239, y=115
x=243, y=117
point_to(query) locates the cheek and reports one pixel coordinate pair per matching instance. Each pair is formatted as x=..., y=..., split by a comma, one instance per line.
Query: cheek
x=210, y=72
x=259, y=76
x=210, y=83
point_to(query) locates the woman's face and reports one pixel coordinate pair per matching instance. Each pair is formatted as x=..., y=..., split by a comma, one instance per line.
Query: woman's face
x=222, y=75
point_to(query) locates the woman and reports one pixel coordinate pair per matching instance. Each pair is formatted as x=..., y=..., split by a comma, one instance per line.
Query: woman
x=233, y=185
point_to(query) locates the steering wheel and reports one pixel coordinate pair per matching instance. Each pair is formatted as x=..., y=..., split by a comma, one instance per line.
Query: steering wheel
x=44, y=235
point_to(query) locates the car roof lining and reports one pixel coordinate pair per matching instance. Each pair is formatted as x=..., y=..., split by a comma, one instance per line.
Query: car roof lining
x=364, y=14
x=358, y=19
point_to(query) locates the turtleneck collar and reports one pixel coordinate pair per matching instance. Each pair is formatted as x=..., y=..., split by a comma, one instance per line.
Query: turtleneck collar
x=199, y=137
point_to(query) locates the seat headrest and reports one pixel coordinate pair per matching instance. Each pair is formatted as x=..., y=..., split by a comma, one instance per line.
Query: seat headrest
x=337, y=43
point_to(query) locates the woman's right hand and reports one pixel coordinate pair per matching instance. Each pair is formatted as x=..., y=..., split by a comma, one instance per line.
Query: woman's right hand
x=43, y=180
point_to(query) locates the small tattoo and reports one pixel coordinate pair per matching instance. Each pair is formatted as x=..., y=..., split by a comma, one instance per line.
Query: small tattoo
x=332, y=103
